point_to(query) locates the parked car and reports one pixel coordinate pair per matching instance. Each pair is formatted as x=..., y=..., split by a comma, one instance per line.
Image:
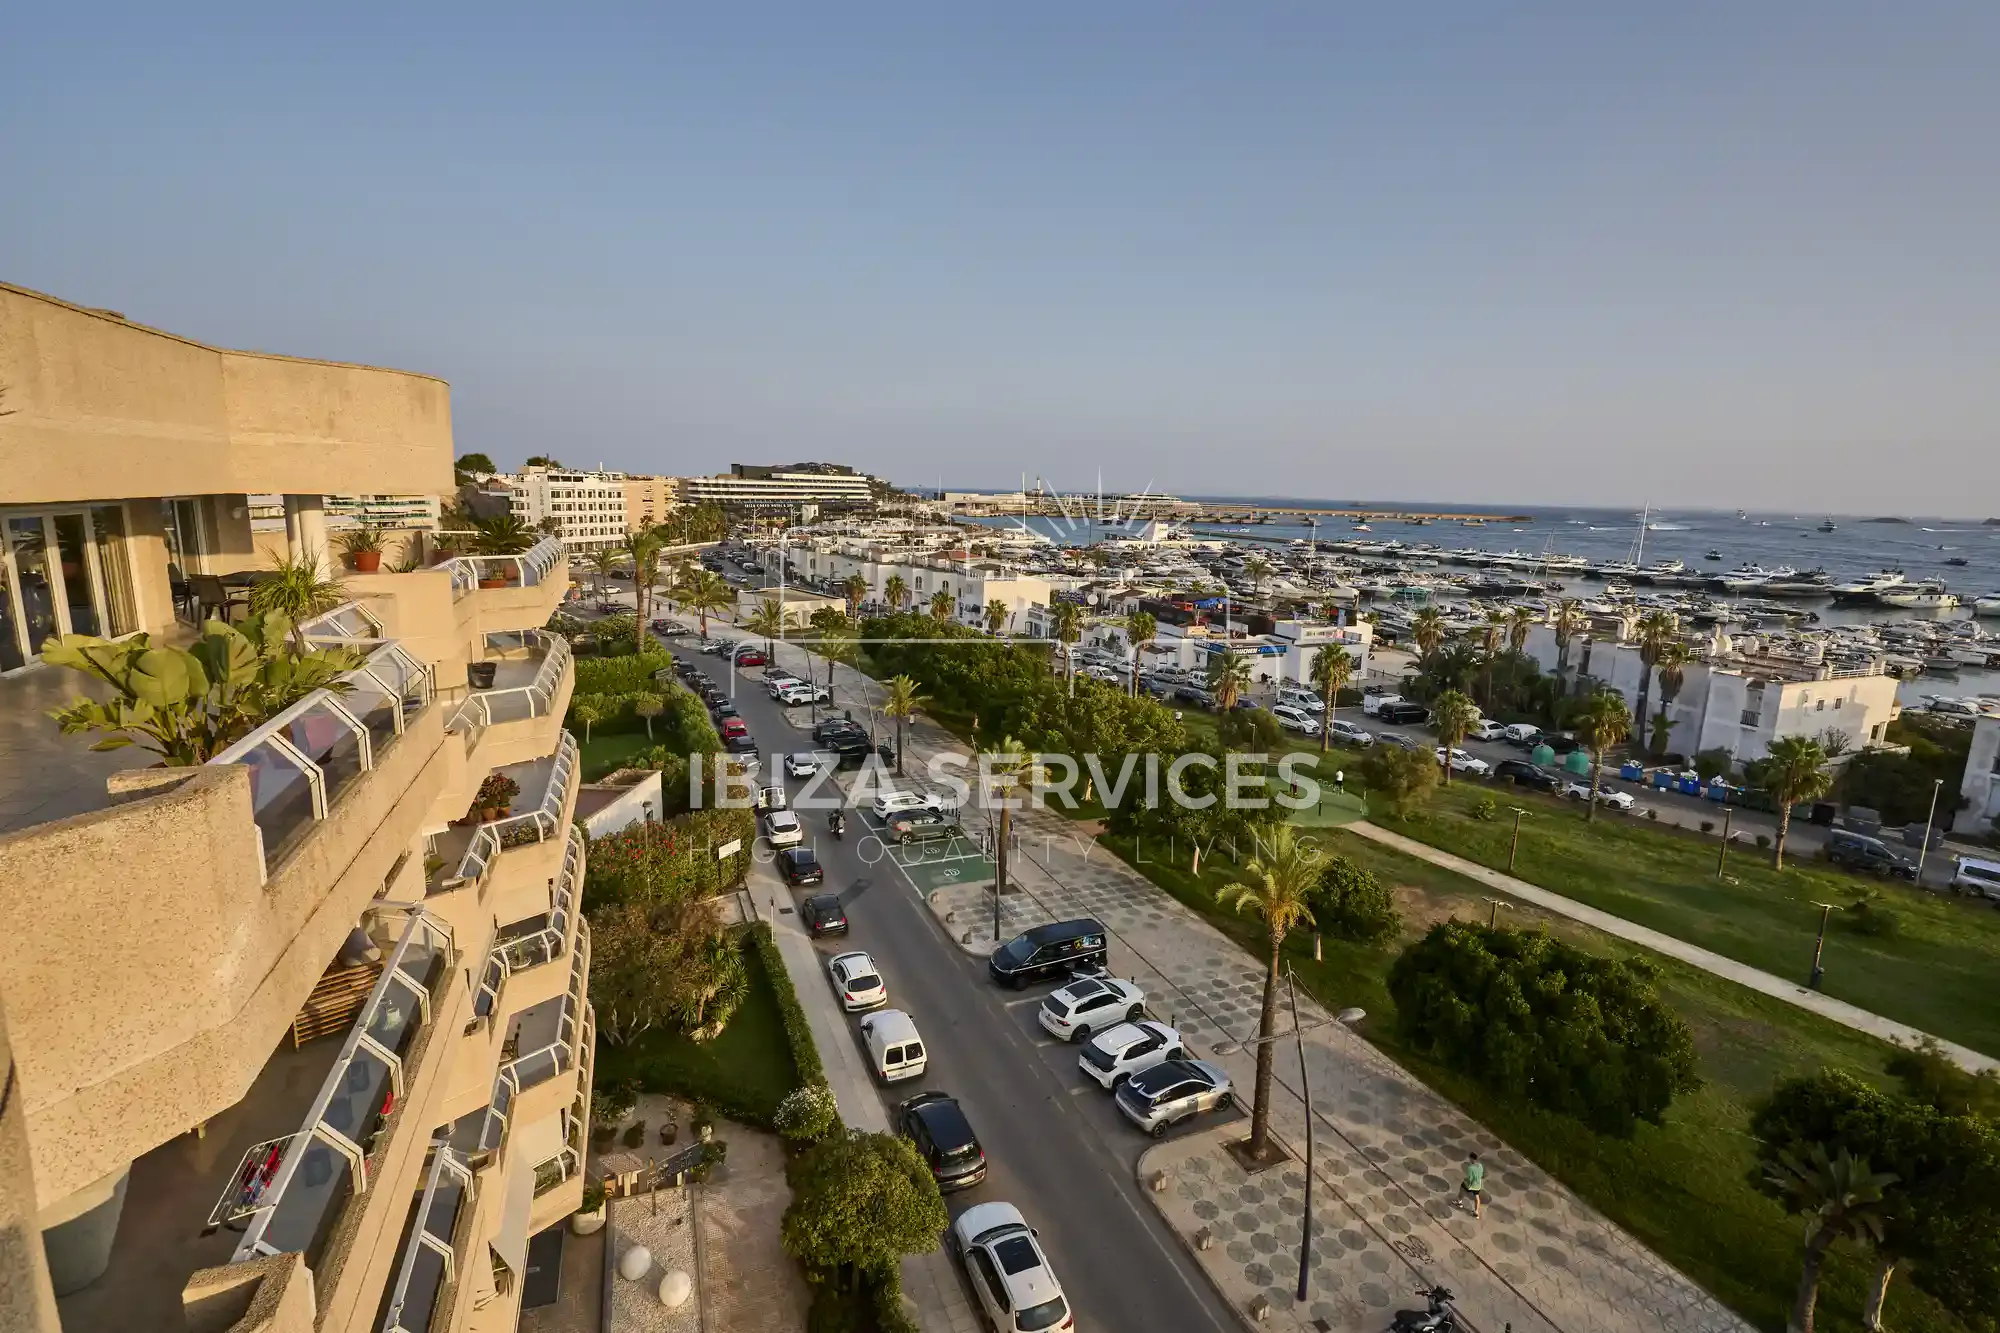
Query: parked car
x=1294, y=719
x=750, y=657
x=799, y=693
x=781, y=829
x=1073, y=1012
x=1112, y=1056
x=944, y=1139
x=1174, y=1090
x=1521, y=735
x=1524, y=774
x=733, y=727
x=1486, y=729
x=797, y=866
x=801, y=765
x=918, y=832
x=1349, y=733
x=895, y=1051
x=1303, y=700
x=1855, y=851
x=857, y=981
x=777, y=682
x=1057, y=949
x=1401, y=742
x=837, y=726
x=891, y=803
x=723, y=711
x=1461, y=762
x=1974, y=874
x=1606, y=795
x=1008, y=1272
x=1403, y=713
x=1194, y=694
x=823, y=915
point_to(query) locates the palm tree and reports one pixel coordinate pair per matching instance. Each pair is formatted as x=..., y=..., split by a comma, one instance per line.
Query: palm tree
x=896, y=592
x=768, y=620
x=1069, y=628
x=1793, y=771
x=705, y=592
x=1519, y=621
x=1428, y=630
x=1672, y=666
x=1841, y=1199
x=996, y=616
x=299, y=589
x=1228, y=677
x=645, y=547
x=649, y=706
x=1277, y=887
x=1257, y=568
x=1014, y=770
x=1140, y=627
x=586, y=713
x=1603, y=721
x=1332, y=668
x=604, y=562
x=1490, y=635
x=835, y=645
x=1656, y=629
x=856, y=589
x=503, y=534
x=1569, y=623
x=941, y=606
x=902, y=704
x=1452, y=714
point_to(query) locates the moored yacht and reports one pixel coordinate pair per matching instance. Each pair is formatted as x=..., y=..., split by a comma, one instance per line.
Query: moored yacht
x=1989, y=605
x=1865, y=589
x=1929, y=595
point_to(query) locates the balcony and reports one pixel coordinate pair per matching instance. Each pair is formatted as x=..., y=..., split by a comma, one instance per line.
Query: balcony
x=427, y=1273
x=518, y=592
x=467, y=854
x=533, y=941
x=542, y=1039
x=529, y=666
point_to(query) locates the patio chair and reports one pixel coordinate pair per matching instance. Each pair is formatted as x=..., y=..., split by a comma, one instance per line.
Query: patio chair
x=213, y=597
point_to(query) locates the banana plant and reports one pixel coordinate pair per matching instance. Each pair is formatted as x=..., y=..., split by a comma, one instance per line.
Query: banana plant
x=188, y=705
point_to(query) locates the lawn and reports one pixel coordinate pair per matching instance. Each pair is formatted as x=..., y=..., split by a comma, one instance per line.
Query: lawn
x=604, y=754
x=1936, y=973
x=744, y=1073
x=1682, y=1188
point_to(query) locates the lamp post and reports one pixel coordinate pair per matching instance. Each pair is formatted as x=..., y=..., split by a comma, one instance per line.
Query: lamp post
x=1723, y=855
x=1345, y=1018
x=1493, y=906
x=1826, y=910
x=1514, y=848
x=1937, y=785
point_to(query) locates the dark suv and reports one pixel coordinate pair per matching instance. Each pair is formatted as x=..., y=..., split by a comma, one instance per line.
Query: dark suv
x=1403, y=713
x=1524, y=774
x=799, y=866
x=944, y=1139
x=1058, y=949
x=1853, y=851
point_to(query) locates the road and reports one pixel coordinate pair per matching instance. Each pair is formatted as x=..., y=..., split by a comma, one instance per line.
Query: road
x=1058, y=1148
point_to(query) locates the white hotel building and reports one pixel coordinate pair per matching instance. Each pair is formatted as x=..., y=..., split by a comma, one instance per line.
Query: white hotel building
x=588, y=506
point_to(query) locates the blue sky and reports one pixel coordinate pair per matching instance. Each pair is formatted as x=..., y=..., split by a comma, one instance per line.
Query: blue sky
x=1699, y=254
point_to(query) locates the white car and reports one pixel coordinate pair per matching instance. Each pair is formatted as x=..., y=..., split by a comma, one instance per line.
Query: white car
x=1009, y=1273
x=856, y=981
x=775, y=685
x=1617, y=800
x=801, y=765
x=781, y=829
x=1302, y=700
x=897, y=802
x=1172, y=1091
x=1114, y=1056
x=1347, y=731
x=1294, y=719
x=1461, y=762
x=1075, y=1011
x=1486, y=729
x=793, y=696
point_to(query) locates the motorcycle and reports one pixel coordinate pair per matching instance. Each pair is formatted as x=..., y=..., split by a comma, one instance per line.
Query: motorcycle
x=836, y=824
x=1439, y=1318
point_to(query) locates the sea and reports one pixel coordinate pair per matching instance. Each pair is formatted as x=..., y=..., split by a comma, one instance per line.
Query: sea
x=1859, y=545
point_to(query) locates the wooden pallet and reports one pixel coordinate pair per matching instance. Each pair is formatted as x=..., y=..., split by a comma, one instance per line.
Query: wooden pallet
x=334, y=1002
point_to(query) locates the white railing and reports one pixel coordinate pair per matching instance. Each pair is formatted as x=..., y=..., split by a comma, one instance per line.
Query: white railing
x=537, y=825
x=289, y=1188
x=542, y=946
x=430, y=1256
x=526, y=570
x=483, y=708
x=559, y=1056
x=304, y=758
x=346, y=623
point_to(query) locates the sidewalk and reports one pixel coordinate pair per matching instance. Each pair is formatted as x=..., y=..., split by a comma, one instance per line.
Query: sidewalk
x=930, y=1283
x=1847, y=1015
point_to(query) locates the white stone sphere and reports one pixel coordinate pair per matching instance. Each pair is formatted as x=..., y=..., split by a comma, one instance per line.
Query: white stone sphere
x=675, y=1288
x=635, y=1263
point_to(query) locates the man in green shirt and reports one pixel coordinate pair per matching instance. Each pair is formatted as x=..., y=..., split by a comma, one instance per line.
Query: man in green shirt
x=1475, y=1181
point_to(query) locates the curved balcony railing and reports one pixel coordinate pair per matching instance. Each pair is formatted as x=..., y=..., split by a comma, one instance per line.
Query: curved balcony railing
x=559, y=1056
x=430, y=1256
x=523, y=952
x=537, y=825
x=483, y=708
x=302, y=760
x=526, y=570
x=347, y=623
x=288, y=1192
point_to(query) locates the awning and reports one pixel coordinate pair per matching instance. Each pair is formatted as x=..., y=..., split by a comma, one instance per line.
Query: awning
x=510, y=1242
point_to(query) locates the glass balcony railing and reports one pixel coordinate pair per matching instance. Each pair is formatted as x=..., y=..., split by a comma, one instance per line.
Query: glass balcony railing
x=526, y=570
x=537, y=825
x=288, y=1192
x=557, y=1054
x=430, y=1259
x=533, y=948
x=302, y=760
x=532, y=698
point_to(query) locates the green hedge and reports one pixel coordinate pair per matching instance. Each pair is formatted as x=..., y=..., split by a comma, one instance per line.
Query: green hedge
x=876, y=1307
x=621, y=675
x=805, y=1054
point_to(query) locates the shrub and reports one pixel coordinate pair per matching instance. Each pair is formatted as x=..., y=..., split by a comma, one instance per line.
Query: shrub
x=1485, y=808
x=861, y=1202
x=635, y=1134
x=1867, y=918
x=629, y=674
x=1715, y=763
x=1546, y=1022
x=1763, y=840
x=808, y=1114
x=1708, y=826
x=593, y=1196
x=1403, y=779
x=1934, y=1078
x=611, y=1103
x=798, y=1033
x=1350, y=903
x=668, y=862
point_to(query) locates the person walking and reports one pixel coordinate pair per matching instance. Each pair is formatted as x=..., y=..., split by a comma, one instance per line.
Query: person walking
x=1474, y=1182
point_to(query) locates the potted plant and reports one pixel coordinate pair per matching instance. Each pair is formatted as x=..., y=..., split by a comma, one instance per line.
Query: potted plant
x=590, y=1216
x=702, y=1122
x=480, y=675
x=496, y=796
x=362, y=545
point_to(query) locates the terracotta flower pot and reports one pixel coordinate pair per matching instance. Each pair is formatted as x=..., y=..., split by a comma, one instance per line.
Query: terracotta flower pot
x=366, y=562
x=492, y=583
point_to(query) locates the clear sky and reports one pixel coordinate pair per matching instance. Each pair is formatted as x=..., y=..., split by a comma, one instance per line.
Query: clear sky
x=1722, y=254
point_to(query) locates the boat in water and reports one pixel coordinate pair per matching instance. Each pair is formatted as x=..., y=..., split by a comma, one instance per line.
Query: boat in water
x=1827, y=525
x=1989, y=605
x=1864, y=590
x=1929, y=595
x=1713, y=554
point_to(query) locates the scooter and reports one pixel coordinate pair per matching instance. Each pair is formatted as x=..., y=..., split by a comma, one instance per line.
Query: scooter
x=1439, y=1318
x=836, y=824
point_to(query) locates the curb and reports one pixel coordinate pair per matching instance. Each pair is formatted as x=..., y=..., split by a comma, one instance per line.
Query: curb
x=1186, y=1243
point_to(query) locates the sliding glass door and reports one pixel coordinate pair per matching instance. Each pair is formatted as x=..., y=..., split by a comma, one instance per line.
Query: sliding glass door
x=64, y=571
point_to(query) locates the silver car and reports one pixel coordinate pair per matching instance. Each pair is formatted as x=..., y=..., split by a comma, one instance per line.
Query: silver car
x=1168, y=1093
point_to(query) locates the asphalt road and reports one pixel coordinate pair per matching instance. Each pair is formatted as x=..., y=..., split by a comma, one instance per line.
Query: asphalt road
x=1057, y=1147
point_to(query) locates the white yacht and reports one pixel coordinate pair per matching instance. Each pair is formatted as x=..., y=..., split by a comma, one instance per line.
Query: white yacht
x=1929, y=595
x=1865, y=589
x=1989, y=605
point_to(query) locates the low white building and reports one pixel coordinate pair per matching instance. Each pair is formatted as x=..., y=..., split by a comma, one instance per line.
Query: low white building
x=1981, y=788
x=971, y=582
x=1283, y=656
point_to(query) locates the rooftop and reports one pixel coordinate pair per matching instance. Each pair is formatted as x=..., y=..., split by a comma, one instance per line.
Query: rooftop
x=44, y=774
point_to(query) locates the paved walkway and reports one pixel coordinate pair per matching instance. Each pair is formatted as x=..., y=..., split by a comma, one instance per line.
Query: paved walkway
x=1847, y=1015
x=930, y=1283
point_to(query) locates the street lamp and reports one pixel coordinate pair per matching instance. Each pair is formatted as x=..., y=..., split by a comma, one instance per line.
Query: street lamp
x=1514, y=848
x=1826, y=910
x=1937, y=785
x=1493, y=906
x=1345, y=1018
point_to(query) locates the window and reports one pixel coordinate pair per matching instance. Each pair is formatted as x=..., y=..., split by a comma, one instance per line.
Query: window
x=1837, y=703
x=1821, y=707
x=990, y=1276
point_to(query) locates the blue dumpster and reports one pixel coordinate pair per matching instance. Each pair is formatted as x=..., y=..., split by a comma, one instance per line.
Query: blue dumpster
x=1664, y=780
x=1632, y=771
x=1719, y=790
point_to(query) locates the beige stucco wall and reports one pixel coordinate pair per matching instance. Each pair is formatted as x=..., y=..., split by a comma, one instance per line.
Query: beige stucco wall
x=103, y=408
x=26, y=1301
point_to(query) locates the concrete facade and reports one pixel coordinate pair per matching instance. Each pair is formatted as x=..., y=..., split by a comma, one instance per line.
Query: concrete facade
x=588, y=507
x=1981, y=788
x=648, y=500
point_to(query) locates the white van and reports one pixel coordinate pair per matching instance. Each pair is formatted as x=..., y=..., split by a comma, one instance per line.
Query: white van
x=1303, y=700
x=1371, y=704
x=894, y=1049
x=1970, y=874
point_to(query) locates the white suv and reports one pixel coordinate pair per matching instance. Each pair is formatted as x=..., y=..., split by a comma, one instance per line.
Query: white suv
x=898, y=802
x=1461, y=762
x=781, y=829
x=1010, y=1275
x=1075, y=1011
x=1112, y=1057
x=1293, y=718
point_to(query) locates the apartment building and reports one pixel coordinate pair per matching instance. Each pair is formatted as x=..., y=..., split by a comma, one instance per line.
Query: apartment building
x=648, y=500
x=751, y=486
x=971, y=582
x=296, y=1039
x=414, y=512
x=589, y=507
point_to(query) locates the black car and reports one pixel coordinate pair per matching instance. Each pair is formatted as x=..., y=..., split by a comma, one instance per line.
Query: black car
x=944, y=1139
x=1524, y=774
x=740, y=744
x=1054, y=950
x=798, y=866
x=1194, y=694
x=823, y=915
x=1854, y=851
x=837, y=726
x=723, y=709
x=1404, y=713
